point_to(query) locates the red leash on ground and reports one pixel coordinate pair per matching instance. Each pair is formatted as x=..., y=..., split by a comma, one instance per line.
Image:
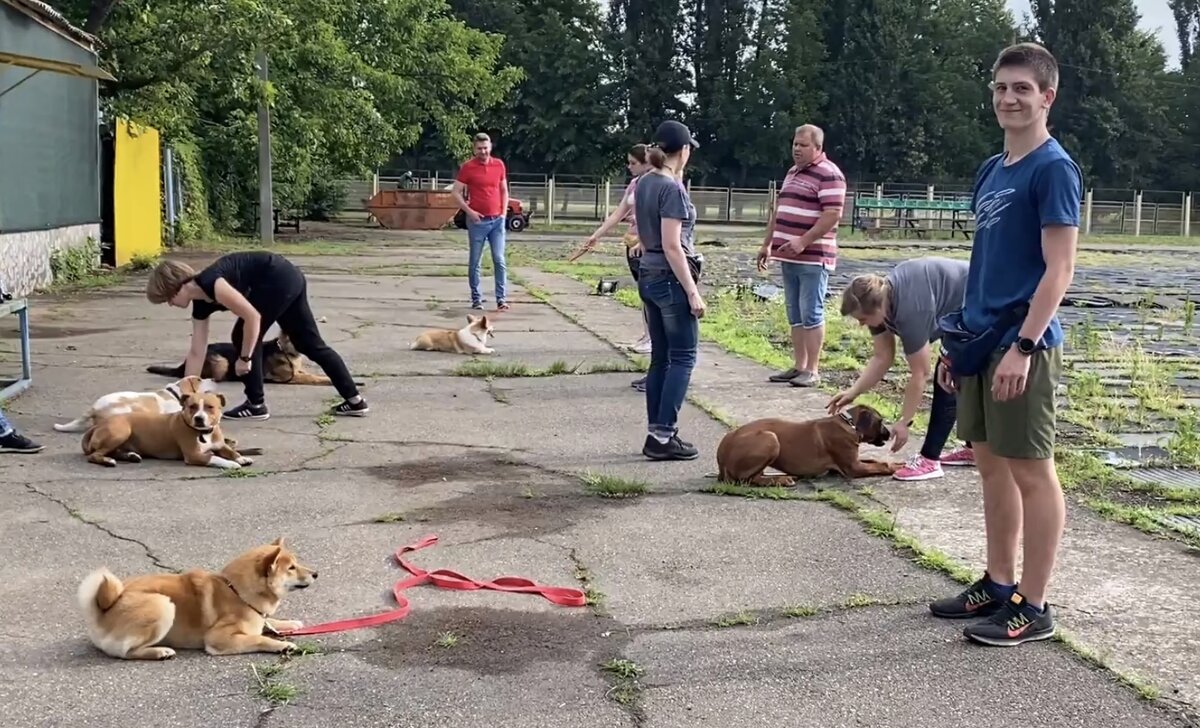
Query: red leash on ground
x=446, y=579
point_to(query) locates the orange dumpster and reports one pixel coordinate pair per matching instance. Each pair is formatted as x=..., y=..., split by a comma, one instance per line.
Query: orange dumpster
x=412, y=209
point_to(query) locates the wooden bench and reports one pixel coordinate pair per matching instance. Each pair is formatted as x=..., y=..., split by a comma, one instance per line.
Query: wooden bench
x=20, y=307
x=915, y=216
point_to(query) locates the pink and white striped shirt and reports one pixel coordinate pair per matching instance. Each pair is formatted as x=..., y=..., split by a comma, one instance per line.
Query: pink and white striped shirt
x=803, y=196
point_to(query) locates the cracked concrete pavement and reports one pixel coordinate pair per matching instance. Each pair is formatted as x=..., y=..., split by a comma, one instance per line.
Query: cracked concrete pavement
x=498, y=478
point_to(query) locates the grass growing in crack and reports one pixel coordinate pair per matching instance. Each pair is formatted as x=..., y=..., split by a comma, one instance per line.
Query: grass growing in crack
x=801, y=610
x=271, y=685
x=738, y=619
x=388, y=518
x=855, y=601
x=613, y=486
x=493, y=369
x=243, y=473
x=754, y=492
x=593, y=597
x=625, y=669
x=1144, y=688
x=447, y=640
x=883, y=524
x=626, y=691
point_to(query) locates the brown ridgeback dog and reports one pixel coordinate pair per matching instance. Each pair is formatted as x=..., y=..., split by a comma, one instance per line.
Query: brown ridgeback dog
x=803, y=449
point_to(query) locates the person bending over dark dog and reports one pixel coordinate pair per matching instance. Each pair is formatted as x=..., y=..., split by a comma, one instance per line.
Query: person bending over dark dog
x=260, y=288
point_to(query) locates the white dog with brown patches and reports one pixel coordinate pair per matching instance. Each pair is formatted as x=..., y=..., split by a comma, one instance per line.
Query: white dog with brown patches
x=165, y=401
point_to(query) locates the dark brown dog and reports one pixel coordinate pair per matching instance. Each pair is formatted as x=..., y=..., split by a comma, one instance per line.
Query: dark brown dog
x=803, y=449
x=282, y=364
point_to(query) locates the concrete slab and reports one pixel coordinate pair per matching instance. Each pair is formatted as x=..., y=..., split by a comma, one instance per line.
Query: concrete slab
x=869, y=667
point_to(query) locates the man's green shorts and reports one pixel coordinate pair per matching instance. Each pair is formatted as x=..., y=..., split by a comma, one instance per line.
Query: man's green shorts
x=1019, y=428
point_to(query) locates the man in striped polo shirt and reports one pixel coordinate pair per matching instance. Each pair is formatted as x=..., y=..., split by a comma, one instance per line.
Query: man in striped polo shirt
x=802, y=236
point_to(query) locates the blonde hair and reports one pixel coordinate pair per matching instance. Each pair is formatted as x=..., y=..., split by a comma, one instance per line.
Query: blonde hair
x=865, y=295
x=166, y=279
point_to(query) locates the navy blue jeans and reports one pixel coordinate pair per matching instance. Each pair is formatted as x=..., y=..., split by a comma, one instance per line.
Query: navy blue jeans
x=674, y=338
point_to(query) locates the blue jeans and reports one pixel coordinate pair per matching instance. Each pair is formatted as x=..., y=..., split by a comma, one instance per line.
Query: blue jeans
x=489, y=230
x=804, y=288
x=5, y=426
x=674, y=338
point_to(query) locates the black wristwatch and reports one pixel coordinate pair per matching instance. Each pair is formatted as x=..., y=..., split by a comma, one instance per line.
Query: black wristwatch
x=246, y=359
x=1026, y=346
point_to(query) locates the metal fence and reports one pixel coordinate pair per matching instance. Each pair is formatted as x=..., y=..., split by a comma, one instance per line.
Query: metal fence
x=575, y=198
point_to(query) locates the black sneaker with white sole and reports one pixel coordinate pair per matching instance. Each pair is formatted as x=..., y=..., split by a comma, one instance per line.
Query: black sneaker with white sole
x=981, y=599
x=673, y=449
x=15, y=442
x=1015, y=622
x=347, y=409
x=248, y=411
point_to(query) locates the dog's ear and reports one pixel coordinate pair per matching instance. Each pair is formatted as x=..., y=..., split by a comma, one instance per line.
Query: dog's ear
x=267, y=567
x=221, y=399
x=471, y=319
x=483, y=321
x=278, y=541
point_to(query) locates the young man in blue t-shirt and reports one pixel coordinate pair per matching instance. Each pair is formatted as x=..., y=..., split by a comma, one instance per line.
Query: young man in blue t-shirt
x=1026, y=202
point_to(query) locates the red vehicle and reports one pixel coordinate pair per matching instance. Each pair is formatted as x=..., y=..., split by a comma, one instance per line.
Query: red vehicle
x=516, y=221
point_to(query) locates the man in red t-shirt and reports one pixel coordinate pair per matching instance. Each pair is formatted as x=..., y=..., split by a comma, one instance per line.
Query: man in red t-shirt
x=485, y=181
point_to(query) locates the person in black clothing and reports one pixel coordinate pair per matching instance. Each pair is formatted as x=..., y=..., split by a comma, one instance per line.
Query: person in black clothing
x=261, y=288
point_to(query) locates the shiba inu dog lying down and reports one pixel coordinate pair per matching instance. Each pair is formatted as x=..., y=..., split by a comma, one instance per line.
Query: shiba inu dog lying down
x=150, y=616
x=470, y=339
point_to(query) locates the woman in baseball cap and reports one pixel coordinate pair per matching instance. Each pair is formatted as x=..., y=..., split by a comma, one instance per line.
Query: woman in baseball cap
x=668, y=279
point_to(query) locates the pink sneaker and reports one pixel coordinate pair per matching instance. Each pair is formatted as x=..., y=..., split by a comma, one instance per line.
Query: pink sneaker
x=961, y=456
x=919, y=467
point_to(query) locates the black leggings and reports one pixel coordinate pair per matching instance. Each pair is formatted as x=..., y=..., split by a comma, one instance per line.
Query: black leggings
x=284, y=300
x=942, y=414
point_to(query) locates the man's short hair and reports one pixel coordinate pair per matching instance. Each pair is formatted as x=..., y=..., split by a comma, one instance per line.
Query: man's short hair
x=814, y=132
x=481, y=137
x=1033, y=56
x=166, y=279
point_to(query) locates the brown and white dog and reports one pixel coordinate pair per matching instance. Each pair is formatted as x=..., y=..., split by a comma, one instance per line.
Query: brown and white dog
x=164, y=401
x=470, y=339
x=192, y=435
x=803, y=449
x=150, y=616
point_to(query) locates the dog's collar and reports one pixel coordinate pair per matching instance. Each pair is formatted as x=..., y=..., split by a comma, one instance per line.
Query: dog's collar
x=847, y=418
x=178, y=395
x=233, y=589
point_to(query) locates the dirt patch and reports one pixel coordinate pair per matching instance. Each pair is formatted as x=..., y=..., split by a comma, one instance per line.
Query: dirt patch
x=518, y=499
x=51, y=331
x=484, y=466
x=490, y=641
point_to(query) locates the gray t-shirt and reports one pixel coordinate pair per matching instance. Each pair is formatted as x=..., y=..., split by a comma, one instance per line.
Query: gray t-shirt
x=923, y=290
x=658, y=196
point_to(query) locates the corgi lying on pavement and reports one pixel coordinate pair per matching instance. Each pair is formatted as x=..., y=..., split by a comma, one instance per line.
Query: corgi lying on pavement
x=470, y=339
x=164, y=401
x=148, y=617
x=192, y=435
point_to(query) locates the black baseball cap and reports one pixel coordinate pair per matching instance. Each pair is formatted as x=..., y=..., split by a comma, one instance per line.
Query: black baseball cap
x=671, y=136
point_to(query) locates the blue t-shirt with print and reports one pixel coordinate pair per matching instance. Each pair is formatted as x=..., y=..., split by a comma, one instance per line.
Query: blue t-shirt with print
x=1012, y=204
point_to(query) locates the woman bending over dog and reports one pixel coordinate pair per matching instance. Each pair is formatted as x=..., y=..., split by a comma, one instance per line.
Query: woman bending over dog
x=907, y=304
x=260, y=288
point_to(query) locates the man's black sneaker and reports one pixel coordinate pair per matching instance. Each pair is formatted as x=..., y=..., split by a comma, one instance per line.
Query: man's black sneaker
x=351, y=410
x=673, y=449
x=248, y=411
x=977, y=600
x=1014, y=623
x=18, y=443
x=639, y=384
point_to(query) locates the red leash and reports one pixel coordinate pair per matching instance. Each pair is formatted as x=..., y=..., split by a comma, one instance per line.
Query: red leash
x=446, y=579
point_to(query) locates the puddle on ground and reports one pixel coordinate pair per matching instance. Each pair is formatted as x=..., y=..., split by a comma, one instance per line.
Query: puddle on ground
x=492, y=641
x=51, y=331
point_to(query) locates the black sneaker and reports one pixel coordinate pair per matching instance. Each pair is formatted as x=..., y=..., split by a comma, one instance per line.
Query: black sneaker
x=18, y=443
x=673, y=449
x=1015, y=622
x=639, y=384
x=978, y=600
x=477, y=306
x=351, y=410
x=248, y=411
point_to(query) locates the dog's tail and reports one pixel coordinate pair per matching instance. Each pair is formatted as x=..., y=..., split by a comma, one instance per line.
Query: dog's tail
x=165, y=370
x=98, y=592
x=79, y=424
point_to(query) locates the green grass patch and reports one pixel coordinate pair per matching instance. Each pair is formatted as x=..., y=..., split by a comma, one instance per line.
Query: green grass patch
x=736, y=620
x=755, y=492
x=613, y=486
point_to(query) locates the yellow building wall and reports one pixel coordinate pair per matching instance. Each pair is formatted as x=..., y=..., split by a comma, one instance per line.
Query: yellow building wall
x=137, y=192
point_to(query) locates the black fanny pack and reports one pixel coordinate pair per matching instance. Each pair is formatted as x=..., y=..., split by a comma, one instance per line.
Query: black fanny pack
x=695, y=267
x=966, y=353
